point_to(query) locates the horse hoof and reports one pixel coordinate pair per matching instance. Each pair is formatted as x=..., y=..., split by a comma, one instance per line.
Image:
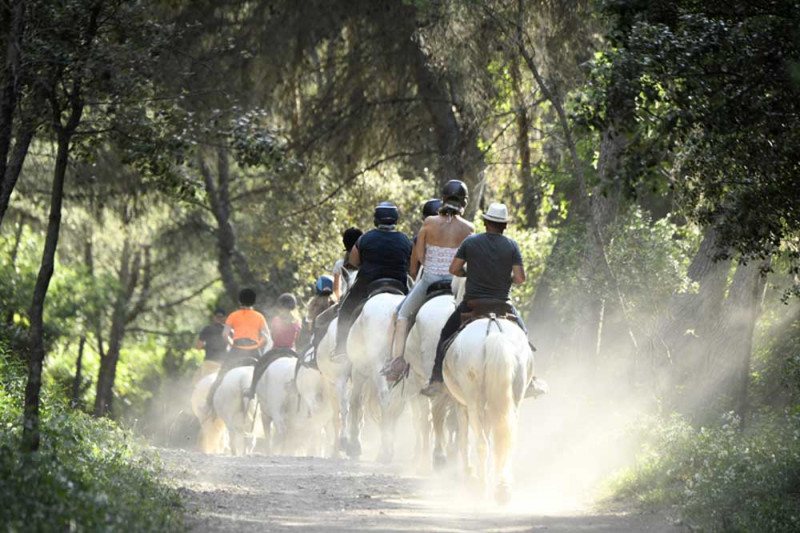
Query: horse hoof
x=502, y=494
x=354, y=450
x=439, y=462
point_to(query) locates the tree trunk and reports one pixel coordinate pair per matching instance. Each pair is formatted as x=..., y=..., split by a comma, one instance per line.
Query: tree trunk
x=531, y=192
x=108, y=363
x=14, y=166
x=233, y=267
x=77, y=384
x=459, y=155
x=727, y=362
x=36, y=351
x=10, y=87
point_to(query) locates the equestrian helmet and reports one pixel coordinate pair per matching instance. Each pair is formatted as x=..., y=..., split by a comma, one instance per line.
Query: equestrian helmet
x=324, y=285
x=385, y=214
x=455, y=192
x=431, y=208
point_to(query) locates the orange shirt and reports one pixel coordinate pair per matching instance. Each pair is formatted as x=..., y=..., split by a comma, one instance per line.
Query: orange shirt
x=247, y=324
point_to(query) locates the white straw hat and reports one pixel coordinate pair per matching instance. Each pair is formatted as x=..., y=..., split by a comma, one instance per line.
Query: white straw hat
x=497, y=213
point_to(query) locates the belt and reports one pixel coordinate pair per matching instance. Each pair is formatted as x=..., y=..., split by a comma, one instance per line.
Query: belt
x=244, y=342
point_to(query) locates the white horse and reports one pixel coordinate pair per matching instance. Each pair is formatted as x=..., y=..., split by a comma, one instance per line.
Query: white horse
x=368, y=346
x=487, y=369
x=231, y=406
x=335, y=376
x=283, y=410
x=314, y=410
x=420, y=354
x=213, y=436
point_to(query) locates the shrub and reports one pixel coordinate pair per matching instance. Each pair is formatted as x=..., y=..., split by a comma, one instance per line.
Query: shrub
x=724, y=478
x=87, y=474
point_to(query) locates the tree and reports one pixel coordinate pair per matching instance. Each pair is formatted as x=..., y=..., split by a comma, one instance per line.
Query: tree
x=92, y=56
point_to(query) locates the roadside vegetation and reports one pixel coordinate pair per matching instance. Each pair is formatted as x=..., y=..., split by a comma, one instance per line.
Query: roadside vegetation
x=88, y=475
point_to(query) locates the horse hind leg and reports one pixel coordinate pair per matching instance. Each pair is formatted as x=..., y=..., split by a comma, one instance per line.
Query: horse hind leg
x=503, y=431
x=439, y=413
x=477, y=421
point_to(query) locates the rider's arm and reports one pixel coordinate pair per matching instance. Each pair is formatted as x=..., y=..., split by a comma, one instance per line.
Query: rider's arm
x=419, y=247
x=413, y=268
x=517, y=274
x=457, y=267
x=227, y=334
x=355, y=258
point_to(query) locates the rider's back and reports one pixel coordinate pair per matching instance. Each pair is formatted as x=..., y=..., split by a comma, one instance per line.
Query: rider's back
x=384, y=254
x=446, y=231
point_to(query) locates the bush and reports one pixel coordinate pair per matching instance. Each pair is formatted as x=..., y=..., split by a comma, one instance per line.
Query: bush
x=723, y=478
x=87, y=475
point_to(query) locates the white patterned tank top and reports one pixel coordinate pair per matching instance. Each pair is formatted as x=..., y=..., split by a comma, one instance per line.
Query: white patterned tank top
x=438, y=259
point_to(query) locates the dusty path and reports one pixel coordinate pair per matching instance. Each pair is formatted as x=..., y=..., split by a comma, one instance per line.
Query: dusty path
x=290, y=494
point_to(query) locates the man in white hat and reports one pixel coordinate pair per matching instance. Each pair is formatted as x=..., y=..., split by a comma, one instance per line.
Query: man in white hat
x=494, y=262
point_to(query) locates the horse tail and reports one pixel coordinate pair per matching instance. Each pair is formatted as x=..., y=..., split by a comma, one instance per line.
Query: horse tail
x=500, y=376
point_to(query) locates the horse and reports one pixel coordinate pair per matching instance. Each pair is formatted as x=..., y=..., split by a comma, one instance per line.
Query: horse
x=368, y=346
x=420, y=354
x=335, y=376
x=231, y=406
x=487, y=369
x=314, y=411
x=213, y=436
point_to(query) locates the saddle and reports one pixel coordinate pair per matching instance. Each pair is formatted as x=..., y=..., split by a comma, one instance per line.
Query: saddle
x=483, y=307
x=390, y=285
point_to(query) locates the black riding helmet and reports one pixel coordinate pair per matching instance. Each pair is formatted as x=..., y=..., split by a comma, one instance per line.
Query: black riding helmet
x=455, y=192
x=385, y=214
x=431, y=208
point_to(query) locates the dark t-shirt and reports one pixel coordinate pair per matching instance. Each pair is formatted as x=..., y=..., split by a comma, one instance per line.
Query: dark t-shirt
x=489, y=258
x=215, y=344
x=384, y=254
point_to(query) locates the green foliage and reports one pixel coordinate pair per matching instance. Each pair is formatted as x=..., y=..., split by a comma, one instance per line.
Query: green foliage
x=641, y=252
x=682, y=73
x=87, y=476
x=723, y=478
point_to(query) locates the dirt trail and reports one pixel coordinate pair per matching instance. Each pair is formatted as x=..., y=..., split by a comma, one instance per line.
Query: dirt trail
x=262, y=493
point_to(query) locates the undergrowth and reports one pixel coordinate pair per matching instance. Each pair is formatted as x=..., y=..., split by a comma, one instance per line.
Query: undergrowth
x=88, y=475
x=722, y=478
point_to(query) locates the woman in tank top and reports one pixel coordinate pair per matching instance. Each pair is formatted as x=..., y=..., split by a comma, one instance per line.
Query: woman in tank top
x=437, y=243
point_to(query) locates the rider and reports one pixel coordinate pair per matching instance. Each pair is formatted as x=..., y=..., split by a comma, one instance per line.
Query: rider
x=211, y=340
x=437, y=243
x=285, y=326
x=342, y=270
x=247, y=334
x=494, y=262
x=382, y=252
x=322, y=300
x=429, y=209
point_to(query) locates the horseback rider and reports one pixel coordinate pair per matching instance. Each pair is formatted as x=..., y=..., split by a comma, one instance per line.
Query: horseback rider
x=285, y=326
x=436, y=245
x=343, y=271
x=247, y=333
x=211, y=340
x=322, y=300
x=429, y=209
x=494, y=262
x=382, y=252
